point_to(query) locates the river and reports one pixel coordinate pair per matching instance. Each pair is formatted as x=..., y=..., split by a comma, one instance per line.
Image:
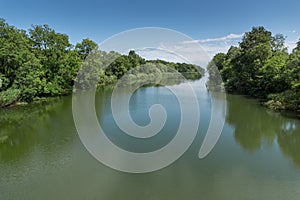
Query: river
x=256, y=157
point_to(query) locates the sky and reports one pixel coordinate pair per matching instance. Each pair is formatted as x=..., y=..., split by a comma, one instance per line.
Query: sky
x=215, y=24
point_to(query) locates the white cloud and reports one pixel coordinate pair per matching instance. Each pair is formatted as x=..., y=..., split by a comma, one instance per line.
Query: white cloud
x=198, y=52
x=179, y=52
x=229, y=37
x=291, y=31
x=291, y=44
x=212, y=46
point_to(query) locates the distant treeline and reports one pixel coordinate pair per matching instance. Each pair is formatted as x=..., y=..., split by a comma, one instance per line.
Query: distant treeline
x=260, y=67
x=43, y=63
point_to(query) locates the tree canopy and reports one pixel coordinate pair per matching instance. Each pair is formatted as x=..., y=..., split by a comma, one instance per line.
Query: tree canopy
x=42, y=63
x=260, y=67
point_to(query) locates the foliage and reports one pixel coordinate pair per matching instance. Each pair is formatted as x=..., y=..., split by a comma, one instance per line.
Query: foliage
x=42, y=63
x=86, y=47
x=261, y=67
x=8, y=97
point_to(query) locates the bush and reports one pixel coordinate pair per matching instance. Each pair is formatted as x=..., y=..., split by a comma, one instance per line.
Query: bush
x=9, y=97
x=287, y=100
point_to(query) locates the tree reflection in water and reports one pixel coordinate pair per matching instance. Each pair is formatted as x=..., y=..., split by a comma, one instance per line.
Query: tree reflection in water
x=256, y=126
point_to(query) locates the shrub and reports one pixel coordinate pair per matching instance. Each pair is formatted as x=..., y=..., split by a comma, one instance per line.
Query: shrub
x=9, y=97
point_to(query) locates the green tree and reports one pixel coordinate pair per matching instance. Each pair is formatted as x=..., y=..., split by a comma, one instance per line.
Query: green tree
x=86, y=47
x=261, y=67
x=214, y=67
x=56, y=56
x=41, y=63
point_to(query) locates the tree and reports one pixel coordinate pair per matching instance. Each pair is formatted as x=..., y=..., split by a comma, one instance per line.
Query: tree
x=20, y=69
x=55, y=54
x=261, y=67
x=277, y=43
x=30, y=79
x=229, y=73
x=214, y=68
x=255, y=50
x=14, y=45
x=271, y=77
x=86, y=47
x=42, y=63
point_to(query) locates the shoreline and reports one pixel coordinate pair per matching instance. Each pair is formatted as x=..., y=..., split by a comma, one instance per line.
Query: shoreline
x=262, y=102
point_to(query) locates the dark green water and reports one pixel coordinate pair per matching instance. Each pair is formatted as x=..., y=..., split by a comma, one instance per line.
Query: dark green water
x=257, y=156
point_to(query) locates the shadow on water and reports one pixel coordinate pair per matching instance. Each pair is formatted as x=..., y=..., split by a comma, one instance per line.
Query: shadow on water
x=256, y=126
x=23, y=128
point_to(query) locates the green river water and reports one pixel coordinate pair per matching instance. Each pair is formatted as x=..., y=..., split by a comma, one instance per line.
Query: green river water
x=257, y=156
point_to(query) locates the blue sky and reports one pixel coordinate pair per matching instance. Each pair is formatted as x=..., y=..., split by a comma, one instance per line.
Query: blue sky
x=222, y=21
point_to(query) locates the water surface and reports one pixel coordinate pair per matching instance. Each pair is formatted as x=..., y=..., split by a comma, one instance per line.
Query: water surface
x=257, y=156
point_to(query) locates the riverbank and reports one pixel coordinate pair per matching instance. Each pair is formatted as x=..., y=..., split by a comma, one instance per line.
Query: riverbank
x=274, y=106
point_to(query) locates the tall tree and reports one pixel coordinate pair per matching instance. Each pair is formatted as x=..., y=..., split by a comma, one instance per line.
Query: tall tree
x=54, y=51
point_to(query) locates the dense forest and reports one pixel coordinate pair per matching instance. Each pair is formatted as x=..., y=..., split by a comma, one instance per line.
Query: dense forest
x=260, y=67
x=41, y=63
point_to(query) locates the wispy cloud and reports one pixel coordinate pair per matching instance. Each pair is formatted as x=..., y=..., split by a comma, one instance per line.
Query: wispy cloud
x=177, y=52
x=213, y=46
x=229, y=37
x=291, y=31
x=194, y=51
